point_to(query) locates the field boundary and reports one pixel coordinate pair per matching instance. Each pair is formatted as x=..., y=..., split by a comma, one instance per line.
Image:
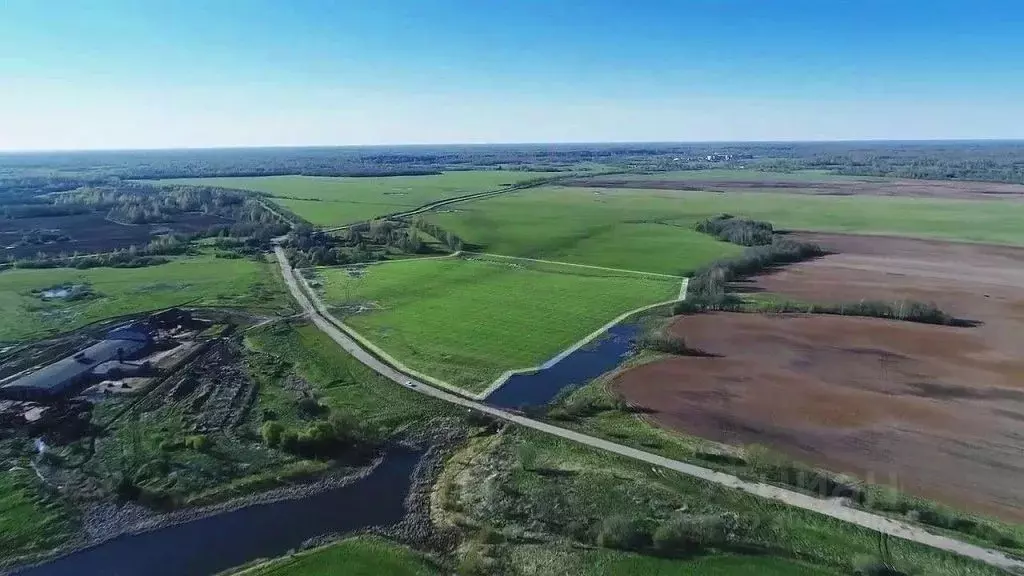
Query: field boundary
x=560, y=263
x=503, y=378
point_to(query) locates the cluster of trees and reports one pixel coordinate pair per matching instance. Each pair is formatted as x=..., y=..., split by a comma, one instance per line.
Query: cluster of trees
x=310, y=247
x=364, y=242
x=40, y=237
x=396, y=234
x=446, y=237
x=740, y=231
x=141, y=204
x=132, y=257
x=667, y=344
x=321, y=439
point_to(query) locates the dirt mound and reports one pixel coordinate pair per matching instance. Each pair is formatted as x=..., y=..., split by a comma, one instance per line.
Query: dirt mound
x=824, y=187
x=937, y=409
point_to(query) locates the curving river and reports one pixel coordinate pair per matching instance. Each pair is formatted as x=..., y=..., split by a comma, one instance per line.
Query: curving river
x=221, y=541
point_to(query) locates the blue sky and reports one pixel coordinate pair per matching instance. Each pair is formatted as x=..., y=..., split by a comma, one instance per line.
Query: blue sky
x=191, y=73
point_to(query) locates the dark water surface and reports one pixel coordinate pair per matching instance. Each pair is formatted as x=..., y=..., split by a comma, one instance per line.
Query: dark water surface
x=597, y=357
x=210, y=545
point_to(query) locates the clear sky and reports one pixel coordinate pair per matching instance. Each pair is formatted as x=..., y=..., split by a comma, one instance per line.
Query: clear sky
x=199, y=73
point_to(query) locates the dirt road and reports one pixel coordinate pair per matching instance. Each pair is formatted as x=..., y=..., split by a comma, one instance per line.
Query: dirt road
x=833, y=508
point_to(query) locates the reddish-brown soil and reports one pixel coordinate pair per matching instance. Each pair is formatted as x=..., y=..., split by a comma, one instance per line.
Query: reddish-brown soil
x=825, y=187
x=938, y=409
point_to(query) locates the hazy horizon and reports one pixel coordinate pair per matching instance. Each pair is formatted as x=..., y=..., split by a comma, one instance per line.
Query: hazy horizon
x=122, y=75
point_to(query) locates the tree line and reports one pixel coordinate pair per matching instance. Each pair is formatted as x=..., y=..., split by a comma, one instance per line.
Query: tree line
x=365, y=242
x=740, y=231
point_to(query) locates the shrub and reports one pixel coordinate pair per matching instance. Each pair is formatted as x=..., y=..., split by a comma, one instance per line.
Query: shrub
x=875, y=567
x=684, y=533
x=199, y=443
x=623, y=533
x=271, y=432
x=310, y=407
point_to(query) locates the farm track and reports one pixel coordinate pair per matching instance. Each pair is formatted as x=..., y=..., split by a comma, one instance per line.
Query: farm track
x=833, y=508
x=468, y=197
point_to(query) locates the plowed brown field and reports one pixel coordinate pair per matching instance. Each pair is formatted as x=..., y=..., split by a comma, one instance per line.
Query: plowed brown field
x=939, y=410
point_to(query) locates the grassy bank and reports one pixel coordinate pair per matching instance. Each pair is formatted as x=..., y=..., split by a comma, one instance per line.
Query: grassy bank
x=532, y=502
x=467, y=320
x=360, y=556
x=30, y=521
x=330, y=201
x=293, y=362
x=198, y=281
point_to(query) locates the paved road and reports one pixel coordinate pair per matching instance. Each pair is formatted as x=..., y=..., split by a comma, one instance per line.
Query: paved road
x=834, y=508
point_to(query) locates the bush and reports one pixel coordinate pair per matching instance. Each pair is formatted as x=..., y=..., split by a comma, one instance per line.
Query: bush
x=684, y=533
x=623, y=533
x=875, y=567
x=310, y=407
x=199, y=443
x=271, y=432
x=668, y=345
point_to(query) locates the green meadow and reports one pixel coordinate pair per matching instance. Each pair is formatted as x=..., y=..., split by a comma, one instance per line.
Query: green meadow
x=331, y=201
x=359, y=556
x=30, y=521
x=197, y=281
x=651, y=230
x=467, y=320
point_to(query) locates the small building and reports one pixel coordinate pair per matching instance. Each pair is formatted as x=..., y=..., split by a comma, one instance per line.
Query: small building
x=68, y=375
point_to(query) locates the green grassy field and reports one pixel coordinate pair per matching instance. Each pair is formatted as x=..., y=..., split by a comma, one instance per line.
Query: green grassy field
x=360, y=556
x=468, y=320
x=200, y=281
x=651, y=230
x=327, y=201
x=338, y=380
x=29, y=523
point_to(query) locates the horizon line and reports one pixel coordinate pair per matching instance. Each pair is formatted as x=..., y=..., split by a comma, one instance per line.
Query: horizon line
x=30, y=151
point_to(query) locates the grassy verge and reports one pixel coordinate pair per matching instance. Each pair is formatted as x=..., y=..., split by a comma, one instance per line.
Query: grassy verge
x=293, y=362
x=200, y=281
x=30, y=522
x=562, y=559
x=360, y=556
x=468, y=320
x=523, y=494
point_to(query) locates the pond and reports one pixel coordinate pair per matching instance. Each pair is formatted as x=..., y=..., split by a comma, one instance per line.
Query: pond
x=219, y=542
x=592, y=360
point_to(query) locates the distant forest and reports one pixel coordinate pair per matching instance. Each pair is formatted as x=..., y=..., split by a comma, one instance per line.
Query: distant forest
x=50, y=172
